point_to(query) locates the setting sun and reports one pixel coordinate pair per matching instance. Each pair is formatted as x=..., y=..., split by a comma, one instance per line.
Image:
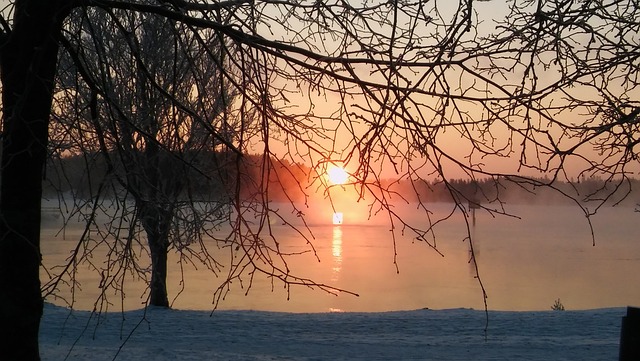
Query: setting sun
x=337, y=175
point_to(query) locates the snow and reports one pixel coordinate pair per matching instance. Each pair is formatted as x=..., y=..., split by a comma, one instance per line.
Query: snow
x=456, y=334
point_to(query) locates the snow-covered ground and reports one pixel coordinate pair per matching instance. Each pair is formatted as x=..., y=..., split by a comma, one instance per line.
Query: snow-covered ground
x=160, y=334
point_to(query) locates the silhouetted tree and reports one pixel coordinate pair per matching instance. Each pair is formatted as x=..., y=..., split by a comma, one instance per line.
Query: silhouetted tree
x=155, y=94
x=28, y=65
x=428, y=90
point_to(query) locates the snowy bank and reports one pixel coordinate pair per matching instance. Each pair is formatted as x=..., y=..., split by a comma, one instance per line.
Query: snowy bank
x=458, y=334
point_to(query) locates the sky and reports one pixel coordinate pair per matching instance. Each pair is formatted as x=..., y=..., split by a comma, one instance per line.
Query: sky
x=399, y=160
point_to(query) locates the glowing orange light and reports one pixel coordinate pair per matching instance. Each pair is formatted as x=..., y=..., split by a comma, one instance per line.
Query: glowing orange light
x=337, y=175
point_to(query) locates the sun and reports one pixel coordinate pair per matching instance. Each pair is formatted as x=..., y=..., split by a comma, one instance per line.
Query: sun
x=337, y=175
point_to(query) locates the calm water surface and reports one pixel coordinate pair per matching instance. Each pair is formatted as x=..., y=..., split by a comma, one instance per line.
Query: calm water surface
x=525, y=263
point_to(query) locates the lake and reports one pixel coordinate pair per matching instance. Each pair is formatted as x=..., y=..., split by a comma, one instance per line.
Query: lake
x=525, y=263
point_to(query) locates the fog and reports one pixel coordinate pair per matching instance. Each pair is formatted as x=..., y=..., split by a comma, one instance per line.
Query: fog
x=524, y=262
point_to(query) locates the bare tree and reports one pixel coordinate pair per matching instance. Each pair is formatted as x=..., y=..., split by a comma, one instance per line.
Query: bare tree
x=28, y=62
x=577, y=67
x=422, y=89
x=155, y=95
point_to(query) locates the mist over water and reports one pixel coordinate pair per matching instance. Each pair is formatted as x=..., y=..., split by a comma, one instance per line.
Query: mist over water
x=525, y=263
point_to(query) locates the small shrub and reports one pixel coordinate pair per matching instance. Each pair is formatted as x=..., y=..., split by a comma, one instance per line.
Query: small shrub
x=558, y=306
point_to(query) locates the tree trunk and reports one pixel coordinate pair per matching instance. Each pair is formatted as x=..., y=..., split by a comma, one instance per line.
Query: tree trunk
x=28, y=57
x=158, y=287
x=154, y=210
x=156, y=222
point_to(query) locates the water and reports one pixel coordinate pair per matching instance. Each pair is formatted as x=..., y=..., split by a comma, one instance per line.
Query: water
x=525, y=263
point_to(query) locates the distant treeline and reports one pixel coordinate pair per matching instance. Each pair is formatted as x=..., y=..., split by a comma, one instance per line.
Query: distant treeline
x=209, y=175
x=519, y=190
x=221, y=175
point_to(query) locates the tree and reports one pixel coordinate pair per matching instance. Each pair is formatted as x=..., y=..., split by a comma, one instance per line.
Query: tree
x=28, y=61
x=156, y=96
x=421, y=89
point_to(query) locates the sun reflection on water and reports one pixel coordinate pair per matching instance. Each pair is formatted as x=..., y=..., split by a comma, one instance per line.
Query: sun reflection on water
x=338, y=218
x=336, y=252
